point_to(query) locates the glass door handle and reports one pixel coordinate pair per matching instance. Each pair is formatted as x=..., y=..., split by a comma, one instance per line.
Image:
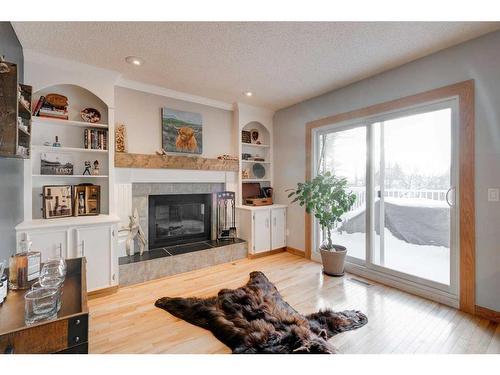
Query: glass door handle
x=447, y=196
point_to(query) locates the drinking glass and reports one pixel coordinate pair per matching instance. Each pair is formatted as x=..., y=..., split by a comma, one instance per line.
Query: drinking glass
x=57, y=261
x=39, y=305
x=57, y=288
x=50, y=273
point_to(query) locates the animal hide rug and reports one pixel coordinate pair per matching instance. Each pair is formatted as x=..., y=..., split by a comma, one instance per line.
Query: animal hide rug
x=256, y=319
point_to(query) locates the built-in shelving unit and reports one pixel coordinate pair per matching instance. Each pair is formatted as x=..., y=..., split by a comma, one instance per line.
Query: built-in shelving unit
x=66, y=123
x=50, y=176
x=255, y=145
x=68, y=149
x=255, y=180
x=258, y=148
x=247, y=119
x=255, y=161
x=71, y=137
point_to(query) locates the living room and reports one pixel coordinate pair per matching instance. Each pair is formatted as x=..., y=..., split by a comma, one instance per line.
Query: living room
x=250, y=187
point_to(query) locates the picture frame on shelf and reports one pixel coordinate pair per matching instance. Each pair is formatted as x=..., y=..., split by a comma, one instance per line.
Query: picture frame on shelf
x=56, y=163
x=86, y=200
x=57, y=201
x=246, y=136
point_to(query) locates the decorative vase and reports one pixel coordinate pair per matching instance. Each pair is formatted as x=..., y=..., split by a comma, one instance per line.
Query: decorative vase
x=333, y=261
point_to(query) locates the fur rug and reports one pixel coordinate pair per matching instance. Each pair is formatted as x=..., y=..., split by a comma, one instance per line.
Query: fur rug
x=256, y=319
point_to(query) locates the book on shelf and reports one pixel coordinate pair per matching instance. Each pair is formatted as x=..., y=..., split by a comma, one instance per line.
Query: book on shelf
x=38, y=105
x=45, y=109
x=95, y=139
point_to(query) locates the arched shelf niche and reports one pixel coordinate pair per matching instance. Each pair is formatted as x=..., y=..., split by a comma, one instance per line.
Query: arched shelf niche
x=79, y=98
x=264, y=134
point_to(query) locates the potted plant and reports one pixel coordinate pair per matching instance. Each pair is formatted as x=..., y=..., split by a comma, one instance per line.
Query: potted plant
x=327, y=198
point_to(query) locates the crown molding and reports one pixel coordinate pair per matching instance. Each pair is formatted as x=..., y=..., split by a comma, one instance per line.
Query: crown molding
x=162, y=91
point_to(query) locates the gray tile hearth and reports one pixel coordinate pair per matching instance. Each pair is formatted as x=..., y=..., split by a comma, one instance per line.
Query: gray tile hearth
x=159, y=263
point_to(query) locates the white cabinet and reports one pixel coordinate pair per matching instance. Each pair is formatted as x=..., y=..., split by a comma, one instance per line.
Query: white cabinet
x=94, y=243
x=261, y=231
x=94, y=237
x=278, y=230
x=264, y=228
x=49, y=243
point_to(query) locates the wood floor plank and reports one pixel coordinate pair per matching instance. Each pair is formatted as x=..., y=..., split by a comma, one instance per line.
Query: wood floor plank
x=399, y=322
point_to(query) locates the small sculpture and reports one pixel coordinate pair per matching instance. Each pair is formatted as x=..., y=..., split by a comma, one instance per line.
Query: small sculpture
x=120, y=138
x=135, y=231
x=87, y=168
x=95, y=171
x=161, y=152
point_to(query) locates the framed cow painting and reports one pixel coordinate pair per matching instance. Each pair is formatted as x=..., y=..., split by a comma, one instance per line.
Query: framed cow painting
x=182, y=132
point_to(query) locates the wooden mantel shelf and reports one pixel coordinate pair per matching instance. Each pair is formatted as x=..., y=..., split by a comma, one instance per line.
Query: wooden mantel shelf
x=126, y=160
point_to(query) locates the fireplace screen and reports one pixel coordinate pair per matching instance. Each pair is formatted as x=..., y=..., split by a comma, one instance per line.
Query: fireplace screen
x=179, y=218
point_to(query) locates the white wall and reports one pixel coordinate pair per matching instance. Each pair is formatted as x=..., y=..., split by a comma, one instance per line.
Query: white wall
x=43, y=71
x=478, y=59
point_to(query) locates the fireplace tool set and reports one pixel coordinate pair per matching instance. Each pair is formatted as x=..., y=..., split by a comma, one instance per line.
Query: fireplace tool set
x=226, y=214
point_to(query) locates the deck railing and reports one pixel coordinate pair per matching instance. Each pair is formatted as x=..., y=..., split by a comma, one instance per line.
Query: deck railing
x=436, y=195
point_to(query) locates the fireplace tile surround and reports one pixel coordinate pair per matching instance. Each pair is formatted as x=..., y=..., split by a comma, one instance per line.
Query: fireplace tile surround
x=167, y=261
x=141, y=192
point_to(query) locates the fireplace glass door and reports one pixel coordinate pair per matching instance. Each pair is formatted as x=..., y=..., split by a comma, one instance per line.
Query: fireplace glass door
x=180, y=218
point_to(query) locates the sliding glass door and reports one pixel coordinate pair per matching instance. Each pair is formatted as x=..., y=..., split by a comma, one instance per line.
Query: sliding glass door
x=401, y=167
x=344, y=153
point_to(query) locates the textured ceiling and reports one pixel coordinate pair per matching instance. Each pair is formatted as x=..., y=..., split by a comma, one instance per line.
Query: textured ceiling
x=283, y=63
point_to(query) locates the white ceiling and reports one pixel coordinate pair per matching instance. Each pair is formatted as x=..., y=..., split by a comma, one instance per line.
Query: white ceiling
x=283, y=63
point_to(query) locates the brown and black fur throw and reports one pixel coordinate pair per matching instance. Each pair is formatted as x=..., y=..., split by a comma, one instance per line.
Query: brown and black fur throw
x=256, y=319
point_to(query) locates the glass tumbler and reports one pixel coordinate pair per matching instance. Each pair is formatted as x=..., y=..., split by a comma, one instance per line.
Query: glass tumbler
x=52, y=271
x=39, y=305
x=57, y=288
x=57, y=261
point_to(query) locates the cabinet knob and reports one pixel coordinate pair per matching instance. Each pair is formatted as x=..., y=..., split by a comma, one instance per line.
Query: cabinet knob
x=77, y=322
x=77, y=338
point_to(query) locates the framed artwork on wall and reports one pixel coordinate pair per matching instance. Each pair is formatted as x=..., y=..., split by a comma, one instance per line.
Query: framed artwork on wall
x=182, y=132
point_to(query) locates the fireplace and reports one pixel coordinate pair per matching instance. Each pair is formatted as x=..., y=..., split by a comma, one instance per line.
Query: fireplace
x=176, y=219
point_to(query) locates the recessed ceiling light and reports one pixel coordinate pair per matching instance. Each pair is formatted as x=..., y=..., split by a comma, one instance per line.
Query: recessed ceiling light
x=134, y=60
x=248, y=93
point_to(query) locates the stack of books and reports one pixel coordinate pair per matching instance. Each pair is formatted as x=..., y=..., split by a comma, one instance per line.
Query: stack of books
x=45, y=109
x=95, y=139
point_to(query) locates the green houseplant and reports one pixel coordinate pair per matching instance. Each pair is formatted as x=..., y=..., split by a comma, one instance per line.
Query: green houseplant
x=327, y=198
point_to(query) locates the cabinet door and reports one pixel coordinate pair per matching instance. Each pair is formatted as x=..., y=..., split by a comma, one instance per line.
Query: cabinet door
x=278, y=232
x=95, y=244
x=49, y=243
x=261, y=231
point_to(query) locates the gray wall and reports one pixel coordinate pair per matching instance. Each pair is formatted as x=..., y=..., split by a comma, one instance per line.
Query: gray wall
x=11, y=170
x=478, y=59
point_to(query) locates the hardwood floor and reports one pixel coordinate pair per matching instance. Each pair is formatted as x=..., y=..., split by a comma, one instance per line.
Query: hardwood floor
x=128, y=322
